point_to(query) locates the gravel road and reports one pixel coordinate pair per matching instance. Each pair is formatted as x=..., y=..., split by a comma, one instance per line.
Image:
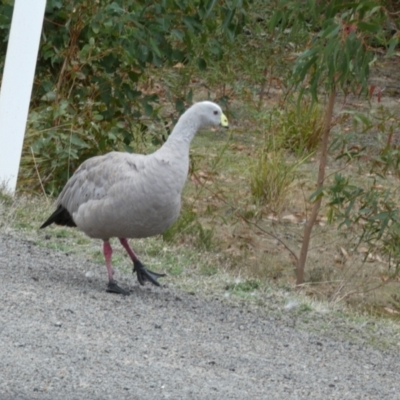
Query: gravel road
x=63, y=337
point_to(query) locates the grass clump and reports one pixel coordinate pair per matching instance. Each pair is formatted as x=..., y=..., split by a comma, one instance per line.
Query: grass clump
x=209, y=269
x=249, y=285
x=270, y=179
x=298, y=127
x=189, y=223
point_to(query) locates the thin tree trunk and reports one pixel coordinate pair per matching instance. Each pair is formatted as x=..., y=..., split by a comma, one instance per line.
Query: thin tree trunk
x=321, y=176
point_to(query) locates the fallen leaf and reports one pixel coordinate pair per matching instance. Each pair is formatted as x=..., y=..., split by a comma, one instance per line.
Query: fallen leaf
x=378, y=187
x=384, y=278
x=391, y=310
x=237, y=147
x=290, y=218
x=344, y=253
x=339, y=259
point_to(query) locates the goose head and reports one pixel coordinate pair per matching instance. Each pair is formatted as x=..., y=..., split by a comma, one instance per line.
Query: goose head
x=210, y=114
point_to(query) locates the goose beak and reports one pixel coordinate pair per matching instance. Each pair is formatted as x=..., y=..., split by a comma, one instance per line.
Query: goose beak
x=224, y=121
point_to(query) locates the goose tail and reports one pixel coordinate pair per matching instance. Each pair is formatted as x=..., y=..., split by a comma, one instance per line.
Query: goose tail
x=59, y=217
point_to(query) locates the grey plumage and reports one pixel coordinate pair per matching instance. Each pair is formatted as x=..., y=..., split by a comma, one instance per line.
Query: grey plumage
x=133, y=195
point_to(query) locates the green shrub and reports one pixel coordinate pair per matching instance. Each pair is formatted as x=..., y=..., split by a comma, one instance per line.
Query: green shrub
x=249, y=285
x=188, y=224
x=91, y=95
x=271, y=177
x=298, y=127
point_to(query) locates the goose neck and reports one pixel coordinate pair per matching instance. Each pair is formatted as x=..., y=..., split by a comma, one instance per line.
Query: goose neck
x=185, y=129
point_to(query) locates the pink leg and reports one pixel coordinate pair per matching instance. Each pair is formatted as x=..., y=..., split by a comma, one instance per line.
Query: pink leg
x=131, y=253
x=112, y=285
x=107, y=250
x=143, y=273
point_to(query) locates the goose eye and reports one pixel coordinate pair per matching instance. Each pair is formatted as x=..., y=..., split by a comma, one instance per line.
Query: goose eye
x=215, y=112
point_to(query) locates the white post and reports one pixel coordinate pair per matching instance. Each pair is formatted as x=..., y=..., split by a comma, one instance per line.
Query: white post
x=16, y=89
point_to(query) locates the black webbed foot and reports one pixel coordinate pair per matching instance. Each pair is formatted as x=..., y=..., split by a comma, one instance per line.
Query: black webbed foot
x=112, y=287
x=143, y=274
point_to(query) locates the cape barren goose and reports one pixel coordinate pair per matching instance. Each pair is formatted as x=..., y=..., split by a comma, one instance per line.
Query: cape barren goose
x=133, y=195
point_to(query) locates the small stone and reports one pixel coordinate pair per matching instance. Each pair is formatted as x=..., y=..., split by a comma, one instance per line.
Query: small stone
x=291, y=304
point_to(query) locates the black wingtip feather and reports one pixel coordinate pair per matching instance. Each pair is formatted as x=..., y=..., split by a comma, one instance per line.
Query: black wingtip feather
x=60, y=217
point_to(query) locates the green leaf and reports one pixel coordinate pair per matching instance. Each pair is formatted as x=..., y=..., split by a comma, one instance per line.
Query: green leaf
x=192, y=24
x=108, y=23
x=78, y=141
x=393, y=42
x=228, y=18
x=189, y=97
x=148, y=109
x=211, y=5
x=154, y=47
x=134, y=76
x=96, y=28
x=180, y=106
x=80, y=75
x=302, y=68
x=368, y=27
x=115, y=8
x=178, y=34
x=277, y=18
x=329, y=32
x=49, y=96
x=202, y=64
x=317, y=194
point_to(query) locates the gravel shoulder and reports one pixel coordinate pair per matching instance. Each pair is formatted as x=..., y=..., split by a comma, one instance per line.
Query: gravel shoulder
x=63, y=337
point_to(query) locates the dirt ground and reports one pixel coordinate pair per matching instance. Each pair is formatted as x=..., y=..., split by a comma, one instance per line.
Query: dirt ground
x=63, y=337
